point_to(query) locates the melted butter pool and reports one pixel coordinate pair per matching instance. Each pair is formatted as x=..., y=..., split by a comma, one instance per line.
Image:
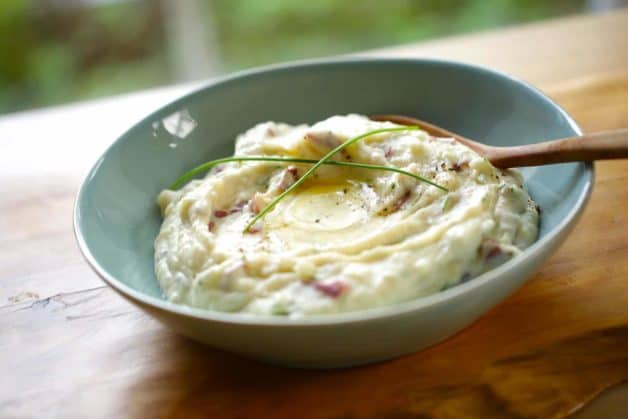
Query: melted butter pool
x=324, y=214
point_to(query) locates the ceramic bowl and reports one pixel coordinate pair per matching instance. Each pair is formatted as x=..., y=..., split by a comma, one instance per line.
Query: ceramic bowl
x=116, y=218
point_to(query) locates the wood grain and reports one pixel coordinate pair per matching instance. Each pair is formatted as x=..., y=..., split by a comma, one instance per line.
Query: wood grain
x=71, y=348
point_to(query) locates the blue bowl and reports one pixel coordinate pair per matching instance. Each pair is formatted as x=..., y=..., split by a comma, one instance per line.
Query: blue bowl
x=116, y=218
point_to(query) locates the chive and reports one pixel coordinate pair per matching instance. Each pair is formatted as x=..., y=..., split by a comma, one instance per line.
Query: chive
x=322, y=161
x=206, y=166
x=447, y=203
x=316, y=164
x=278, y=309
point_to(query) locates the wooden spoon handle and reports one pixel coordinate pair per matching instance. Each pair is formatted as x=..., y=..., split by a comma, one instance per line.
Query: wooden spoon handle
x=596, y=146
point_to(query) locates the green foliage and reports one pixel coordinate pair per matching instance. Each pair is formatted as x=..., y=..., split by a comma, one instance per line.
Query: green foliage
x=253, y=32
x=51, y=55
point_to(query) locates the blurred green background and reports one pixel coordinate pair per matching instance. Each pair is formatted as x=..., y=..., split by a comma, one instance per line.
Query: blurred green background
x=56, y=51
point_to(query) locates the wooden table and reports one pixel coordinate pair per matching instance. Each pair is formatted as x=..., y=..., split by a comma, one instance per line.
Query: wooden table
x=70, y=347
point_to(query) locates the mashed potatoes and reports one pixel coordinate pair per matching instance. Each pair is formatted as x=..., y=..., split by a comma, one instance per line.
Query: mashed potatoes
x=347, y=239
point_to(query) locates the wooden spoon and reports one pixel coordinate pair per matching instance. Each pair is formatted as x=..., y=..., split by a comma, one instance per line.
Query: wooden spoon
x=596, y=146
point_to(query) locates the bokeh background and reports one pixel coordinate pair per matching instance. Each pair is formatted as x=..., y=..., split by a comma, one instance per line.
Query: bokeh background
x=58, y=51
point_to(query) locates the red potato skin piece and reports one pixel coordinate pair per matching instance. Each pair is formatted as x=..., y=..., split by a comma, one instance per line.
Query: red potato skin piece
x=402, y=200
x=255, y=229
x=331, y=289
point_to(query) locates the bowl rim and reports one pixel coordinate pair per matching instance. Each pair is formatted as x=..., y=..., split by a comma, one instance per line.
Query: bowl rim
x=393, y=310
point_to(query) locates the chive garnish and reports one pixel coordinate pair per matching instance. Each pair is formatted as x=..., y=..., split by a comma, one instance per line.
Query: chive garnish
x=206, y=166
x=318, y=164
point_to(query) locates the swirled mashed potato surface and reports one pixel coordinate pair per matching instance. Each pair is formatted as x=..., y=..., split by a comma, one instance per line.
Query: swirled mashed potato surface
x=346, y=239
